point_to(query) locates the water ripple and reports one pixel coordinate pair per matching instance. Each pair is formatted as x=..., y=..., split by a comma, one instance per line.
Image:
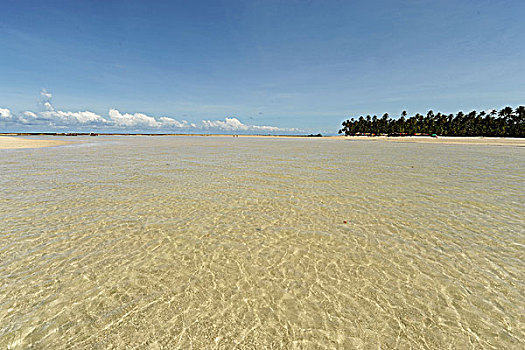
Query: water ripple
x=223, y=243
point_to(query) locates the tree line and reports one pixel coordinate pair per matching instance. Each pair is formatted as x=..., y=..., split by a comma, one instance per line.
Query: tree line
x=507, y=122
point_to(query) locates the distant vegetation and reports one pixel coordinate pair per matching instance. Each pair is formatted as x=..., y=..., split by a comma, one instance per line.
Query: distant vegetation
x=507, y=122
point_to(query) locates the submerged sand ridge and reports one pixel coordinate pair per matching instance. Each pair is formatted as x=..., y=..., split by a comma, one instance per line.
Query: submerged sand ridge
x=10, y=142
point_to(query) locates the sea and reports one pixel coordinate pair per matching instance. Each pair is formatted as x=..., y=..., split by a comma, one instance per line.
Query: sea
x=188, y=242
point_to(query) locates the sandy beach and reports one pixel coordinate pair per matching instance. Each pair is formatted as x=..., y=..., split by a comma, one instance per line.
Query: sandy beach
x=8, y=142
x=450, y=140
x=493, y=141
x=459, y=140
x=11, y=142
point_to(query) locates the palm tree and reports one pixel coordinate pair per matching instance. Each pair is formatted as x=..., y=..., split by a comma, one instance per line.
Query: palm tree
x=506, y=122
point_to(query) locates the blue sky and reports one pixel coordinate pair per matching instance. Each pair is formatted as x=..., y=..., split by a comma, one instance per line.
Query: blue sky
x=285, y=64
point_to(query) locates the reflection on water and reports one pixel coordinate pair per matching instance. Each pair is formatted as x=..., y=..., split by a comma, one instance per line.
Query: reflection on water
x=209, y=242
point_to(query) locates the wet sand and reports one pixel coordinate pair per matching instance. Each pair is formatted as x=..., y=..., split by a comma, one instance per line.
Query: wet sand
x=7, y=142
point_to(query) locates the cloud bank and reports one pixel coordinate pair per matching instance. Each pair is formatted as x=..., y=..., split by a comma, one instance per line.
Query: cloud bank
x=52, y=118
x=233, y=124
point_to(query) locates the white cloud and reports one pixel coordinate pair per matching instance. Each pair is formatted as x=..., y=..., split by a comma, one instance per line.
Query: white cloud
x=64, y=118
x=52, y=117
x=30, y=114
x=48, y=106
x=132, y=120
x=7, y=116
x=234, y=124
x=46, y=95
x=170, y=122
x=46, y=100
x=73, y=118
x=227, y=124
x=5, y=113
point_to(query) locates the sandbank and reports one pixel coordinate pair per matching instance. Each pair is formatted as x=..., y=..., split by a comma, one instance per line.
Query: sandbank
x=494, y=141
x=7, y=142
x=450, y=140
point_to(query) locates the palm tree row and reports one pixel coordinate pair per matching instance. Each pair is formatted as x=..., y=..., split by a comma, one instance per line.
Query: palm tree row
x=507, y=122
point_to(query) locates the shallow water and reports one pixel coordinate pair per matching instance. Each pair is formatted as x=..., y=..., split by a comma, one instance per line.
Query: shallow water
x=210, y=242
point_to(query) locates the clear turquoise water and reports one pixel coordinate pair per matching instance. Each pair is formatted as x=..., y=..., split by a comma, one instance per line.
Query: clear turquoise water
x=210, y=242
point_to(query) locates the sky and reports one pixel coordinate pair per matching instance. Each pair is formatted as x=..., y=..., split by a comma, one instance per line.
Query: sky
x=252, y=66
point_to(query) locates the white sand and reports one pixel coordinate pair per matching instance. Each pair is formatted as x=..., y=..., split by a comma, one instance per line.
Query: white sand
x=494, y=141
x=451, y=140
x=8, y=142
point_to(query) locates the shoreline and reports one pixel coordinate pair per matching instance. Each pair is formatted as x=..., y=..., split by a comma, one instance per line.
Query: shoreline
x=448, y=140
x=10, y=142
x=15, y=141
